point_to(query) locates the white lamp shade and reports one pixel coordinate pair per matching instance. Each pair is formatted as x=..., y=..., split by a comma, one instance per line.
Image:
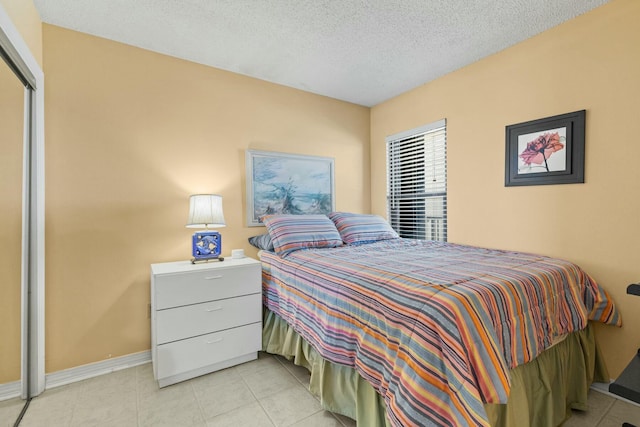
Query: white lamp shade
x=205, y=211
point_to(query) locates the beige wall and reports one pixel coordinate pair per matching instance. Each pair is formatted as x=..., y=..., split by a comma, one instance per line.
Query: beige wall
x=127, y=131
x=11, y=148
x=130, y=135
x=592, y=63
x=25, y=17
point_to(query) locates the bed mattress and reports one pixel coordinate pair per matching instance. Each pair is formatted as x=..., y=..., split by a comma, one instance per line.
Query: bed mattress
x=433, y=327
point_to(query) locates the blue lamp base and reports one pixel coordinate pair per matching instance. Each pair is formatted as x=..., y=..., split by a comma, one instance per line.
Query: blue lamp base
x=206, y=246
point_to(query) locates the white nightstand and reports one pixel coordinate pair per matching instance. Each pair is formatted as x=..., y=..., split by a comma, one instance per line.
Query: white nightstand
x=204, y=317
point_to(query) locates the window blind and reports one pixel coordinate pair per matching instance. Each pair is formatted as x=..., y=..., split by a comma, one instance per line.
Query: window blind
x=417, y=182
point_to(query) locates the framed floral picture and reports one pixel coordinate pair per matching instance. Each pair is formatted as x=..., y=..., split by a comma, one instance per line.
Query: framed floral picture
x=279, y=183
x=546, y=151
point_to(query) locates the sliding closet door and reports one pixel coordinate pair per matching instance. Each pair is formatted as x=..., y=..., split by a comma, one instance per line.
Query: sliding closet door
x=21, y=216
x=12, y=117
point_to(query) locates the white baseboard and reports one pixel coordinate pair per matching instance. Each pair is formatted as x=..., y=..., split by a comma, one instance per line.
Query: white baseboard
x=604, y=389
x=79, y=373
x=10, y=390
x=83, y=372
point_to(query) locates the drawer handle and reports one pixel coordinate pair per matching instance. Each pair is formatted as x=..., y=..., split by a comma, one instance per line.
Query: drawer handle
x=209, y=310
x=214, y=341
x=213, y=277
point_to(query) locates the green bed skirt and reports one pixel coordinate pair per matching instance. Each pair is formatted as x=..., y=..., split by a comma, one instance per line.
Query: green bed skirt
x=543, y=391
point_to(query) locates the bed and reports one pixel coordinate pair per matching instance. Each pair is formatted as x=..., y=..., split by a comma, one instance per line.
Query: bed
x=406, y=332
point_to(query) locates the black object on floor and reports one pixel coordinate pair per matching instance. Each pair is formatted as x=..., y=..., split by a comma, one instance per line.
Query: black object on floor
x=628, y=383
x=26, y=405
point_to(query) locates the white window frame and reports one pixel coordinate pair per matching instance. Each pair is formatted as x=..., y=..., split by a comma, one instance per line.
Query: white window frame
x=417, y=182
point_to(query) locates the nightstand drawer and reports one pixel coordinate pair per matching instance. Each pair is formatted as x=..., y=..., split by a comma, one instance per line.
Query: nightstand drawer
x=174, y=290
x=192, y=320
x=194, y=353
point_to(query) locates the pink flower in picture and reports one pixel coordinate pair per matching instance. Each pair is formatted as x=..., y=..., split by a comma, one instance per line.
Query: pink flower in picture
x=541, y=148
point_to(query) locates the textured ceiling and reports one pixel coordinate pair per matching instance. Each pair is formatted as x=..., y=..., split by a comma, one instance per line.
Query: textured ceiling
x=359, y=51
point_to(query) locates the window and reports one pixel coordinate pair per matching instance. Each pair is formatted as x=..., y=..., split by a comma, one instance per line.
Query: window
x=417, y=182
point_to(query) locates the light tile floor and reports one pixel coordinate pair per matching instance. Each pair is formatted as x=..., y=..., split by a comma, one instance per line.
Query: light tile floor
x=267, y=392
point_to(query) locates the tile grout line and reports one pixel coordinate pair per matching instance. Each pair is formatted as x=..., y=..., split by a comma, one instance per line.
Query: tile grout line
x=257, y=400
x=74, y=404
x=137, y=397
x=80, y=392
x=299, y=381
x=307, y=389
x=195, y=396
x=306, y=418
x=605, y=412
x=296, y=380
x=241, y=378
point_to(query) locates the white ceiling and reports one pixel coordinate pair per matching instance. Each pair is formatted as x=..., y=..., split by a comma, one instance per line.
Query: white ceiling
x=361, y=51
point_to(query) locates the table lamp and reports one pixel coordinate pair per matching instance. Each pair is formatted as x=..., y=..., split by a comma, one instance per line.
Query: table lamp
x=205, y=212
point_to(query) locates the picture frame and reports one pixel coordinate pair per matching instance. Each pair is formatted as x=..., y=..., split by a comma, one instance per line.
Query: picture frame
x=288, y=184
x=546, y=151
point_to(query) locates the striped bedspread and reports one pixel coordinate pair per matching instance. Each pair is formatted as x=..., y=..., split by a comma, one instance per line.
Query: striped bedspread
x=434, y=327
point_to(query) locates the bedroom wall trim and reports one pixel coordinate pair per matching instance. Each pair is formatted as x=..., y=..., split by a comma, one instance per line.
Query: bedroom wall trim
x=10, y=390
x=79, y=373
x=91, y=370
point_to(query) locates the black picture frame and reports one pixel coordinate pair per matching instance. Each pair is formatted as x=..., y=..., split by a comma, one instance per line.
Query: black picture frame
x=546, y=151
